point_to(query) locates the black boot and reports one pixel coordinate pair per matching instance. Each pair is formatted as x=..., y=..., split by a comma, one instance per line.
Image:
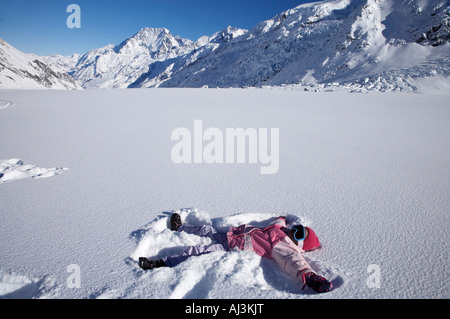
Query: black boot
x=318, y=283
x=145, y=264
x=175, y=221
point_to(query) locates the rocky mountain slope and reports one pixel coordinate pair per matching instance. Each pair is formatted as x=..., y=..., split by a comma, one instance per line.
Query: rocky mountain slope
x=19, y=70
x=347, y=42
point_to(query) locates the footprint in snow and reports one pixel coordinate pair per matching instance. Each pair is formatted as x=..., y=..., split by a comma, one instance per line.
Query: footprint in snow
x=14, y=169
x=6, y=104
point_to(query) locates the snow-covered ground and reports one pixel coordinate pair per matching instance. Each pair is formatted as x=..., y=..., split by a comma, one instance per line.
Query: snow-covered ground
x=370, y=173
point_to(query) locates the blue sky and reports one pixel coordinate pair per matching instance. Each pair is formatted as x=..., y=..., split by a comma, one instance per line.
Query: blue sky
x=40, y=26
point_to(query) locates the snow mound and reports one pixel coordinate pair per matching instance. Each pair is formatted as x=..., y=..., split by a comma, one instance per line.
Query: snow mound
x=6, y=104
x=234, y=274
x=17, y=286
x=14, y=169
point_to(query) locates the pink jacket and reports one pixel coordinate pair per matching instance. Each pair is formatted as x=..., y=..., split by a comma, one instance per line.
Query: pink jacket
x=271, y=242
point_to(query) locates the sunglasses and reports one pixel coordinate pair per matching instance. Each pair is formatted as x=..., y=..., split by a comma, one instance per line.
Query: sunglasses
x=298, y=232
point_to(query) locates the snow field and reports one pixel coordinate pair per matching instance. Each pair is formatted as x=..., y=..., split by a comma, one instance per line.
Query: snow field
x=368, y=172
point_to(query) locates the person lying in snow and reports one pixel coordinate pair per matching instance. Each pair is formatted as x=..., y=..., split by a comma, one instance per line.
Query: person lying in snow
x=284, y=245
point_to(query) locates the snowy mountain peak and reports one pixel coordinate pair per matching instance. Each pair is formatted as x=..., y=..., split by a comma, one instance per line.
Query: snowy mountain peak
x=152, y=41
x=225, y=35
x=228, y=34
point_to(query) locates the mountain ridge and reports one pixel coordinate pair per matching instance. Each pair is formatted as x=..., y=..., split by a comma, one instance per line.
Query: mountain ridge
x=20, y=70
x=328, y=42
x=383, y=45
